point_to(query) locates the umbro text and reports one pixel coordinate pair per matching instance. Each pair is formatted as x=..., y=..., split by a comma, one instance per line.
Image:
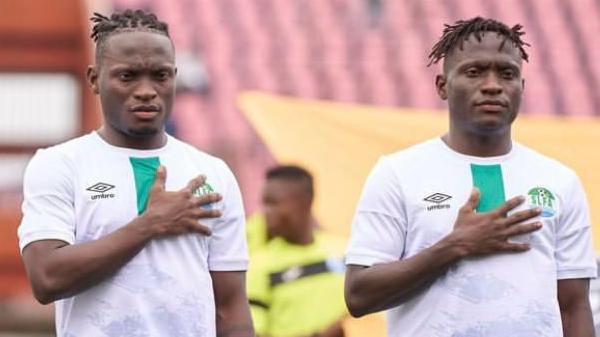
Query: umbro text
x=102, y=196
x=432, y=207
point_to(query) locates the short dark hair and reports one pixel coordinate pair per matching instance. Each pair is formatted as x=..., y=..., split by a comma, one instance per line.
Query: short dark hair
x=292, y=173
x=455, y=35
x=128, y=20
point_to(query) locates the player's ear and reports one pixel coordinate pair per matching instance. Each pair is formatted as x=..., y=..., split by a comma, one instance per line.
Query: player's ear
x=440, y=86
x=92, y=78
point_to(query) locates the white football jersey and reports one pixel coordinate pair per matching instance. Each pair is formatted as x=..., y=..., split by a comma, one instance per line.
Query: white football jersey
x=85, y=188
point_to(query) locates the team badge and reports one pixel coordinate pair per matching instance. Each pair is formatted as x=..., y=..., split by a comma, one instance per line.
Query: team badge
x=202, y=190
x=543, y=198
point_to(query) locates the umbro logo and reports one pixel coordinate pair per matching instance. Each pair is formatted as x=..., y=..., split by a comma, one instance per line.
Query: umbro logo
x=437, y=199
x=101, y=188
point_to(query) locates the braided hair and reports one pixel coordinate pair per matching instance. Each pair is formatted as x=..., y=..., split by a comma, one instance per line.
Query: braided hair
x=126, y=21
x=455, y=36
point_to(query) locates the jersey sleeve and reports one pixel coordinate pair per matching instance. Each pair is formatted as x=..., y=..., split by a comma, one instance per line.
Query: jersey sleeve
x=379, y=224
x=574, y=250
x=48, y=202
x=227, y=245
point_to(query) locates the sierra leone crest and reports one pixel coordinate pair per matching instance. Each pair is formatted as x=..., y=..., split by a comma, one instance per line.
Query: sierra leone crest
x=541, y=197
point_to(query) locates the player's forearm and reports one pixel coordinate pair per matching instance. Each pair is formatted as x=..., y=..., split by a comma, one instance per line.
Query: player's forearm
x=65, y=270
x=577, y=321
x=383, y=286
x=230, y=329
x=575, y=311
x=231, y=302
x=234, y=320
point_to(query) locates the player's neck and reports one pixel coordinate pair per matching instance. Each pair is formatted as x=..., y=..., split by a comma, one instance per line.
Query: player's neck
x=119, y=139
x=479, y=145
x=303, y=239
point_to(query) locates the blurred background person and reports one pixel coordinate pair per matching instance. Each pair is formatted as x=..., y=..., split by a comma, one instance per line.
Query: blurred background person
x=256, y=232
x=295, y=280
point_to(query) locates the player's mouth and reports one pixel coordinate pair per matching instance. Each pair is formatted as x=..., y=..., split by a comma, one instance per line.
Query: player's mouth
x=145, y=112
x=491, y=105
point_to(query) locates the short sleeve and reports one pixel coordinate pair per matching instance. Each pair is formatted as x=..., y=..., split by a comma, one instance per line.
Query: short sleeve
x=48, y=205
x=227, y=245
x=574, y=250
x=379, y=224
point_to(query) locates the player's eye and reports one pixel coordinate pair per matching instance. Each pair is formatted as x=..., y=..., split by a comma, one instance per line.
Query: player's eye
x=472, y=72
x=508, y=74
x=162, y=75
x=125, y=76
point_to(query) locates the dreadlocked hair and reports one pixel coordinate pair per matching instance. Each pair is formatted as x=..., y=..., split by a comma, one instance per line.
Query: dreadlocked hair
x=455, y=36
x=128, y=20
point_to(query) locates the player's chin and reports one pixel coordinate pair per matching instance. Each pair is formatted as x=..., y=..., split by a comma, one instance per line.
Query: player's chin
x=144, y=130
x=491, y=126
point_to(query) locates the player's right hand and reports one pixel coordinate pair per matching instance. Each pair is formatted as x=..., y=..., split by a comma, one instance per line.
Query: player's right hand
x=489, y=232
x=178, y=212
